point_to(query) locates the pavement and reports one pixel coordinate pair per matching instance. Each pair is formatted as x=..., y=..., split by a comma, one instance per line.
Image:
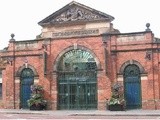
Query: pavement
x=136, y=112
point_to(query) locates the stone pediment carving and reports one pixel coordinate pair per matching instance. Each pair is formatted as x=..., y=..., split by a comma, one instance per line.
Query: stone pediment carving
x=75, y=12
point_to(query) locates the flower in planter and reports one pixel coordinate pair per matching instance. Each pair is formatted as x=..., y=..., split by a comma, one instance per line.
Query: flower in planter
x=37, y=102
x=117, y=98
x=36, y=88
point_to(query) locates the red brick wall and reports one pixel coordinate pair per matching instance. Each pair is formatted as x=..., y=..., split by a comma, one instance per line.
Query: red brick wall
x=116, y=55
x=136, y=50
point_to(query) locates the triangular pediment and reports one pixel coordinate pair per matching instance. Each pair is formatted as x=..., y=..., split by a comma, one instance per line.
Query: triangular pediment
x=75, y=12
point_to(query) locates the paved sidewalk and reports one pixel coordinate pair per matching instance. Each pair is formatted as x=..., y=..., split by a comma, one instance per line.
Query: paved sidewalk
x=137, y=112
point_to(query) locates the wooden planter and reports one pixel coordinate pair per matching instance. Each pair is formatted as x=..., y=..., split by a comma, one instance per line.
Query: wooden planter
x=116, y=107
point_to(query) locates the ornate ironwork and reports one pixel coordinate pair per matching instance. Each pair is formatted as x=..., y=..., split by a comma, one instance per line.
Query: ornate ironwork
x=77, y=60
x=27, y=72
x=131, y=71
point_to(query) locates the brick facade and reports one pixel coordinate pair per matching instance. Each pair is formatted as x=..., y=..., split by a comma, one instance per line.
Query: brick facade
x=113, y=52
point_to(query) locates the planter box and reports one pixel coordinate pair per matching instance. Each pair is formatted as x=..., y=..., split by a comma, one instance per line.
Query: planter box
x=116, y=107
x=37, y=107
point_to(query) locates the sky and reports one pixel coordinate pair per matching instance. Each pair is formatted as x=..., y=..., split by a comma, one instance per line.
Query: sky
x=21, y=17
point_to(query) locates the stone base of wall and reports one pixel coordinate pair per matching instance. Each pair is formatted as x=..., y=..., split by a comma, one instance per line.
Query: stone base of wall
x=146, y=105
x=101, y=106
x=151, y=104
x=2, y=104
x=51, y=105
x=9, y=105
x=158, y=104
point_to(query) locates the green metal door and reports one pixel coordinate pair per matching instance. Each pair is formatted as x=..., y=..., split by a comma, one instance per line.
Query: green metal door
x=77, y=81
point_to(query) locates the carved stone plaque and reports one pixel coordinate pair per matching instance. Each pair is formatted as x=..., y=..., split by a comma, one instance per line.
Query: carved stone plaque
x=75, y=33
x=74, y=14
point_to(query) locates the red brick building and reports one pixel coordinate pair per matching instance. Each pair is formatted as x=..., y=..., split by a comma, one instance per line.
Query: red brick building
x=77, y=58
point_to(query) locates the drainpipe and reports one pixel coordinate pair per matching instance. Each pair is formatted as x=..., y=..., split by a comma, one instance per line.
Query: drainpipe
x=48, y=52
x=50, y=71
x=105, y=38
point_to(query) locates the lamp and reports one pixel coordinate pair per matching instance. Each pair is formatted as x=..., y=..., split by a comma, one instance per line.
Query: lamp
x=10, y=60
x=148, y=55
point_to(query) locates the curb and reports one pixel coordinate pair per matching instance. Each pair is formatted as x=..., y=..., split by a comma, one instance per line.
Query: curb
x=115, y=114
x=85, y=113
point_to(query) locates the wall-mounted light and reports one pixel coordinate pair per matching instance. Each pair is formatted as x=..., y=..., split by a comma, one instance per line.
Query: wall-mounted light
x=148, y=55
x=44, y=47
x=10, y=60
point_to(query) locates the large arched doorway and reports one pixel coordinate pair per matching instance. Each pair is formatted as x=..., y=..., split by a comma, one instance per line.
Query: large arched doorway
x=132, y=86
x=77, y=80
x=27, y=79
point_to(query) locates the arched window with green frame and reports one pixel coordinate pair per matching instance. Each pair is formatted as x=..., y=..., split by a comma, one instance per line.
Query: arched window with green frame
x=77, y=80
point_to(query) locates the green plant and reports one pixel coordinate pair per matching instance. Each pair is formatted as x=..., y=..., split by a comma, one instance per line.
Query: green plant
x=36, y=98
x=117, y=97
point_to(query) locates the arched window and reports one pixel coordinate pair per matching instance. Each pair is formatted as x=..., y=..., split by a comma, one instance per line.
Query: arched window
x=77, y=60
x=77, y=80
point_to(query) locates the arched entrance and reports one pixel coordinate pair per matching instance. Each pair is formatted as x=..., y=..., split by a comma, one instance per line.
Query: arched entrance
x=132, y=86
x=77, y=80
x=27, y=79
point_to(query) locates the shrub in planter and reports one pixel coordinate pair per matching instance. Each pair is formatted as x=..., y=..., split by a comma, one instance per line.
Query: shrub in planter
x=36, y=101
x=117, y=101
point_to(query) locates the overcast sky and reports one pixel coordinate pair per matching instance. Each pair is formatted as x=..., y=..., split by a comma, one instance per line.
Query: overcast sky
x=21, y=16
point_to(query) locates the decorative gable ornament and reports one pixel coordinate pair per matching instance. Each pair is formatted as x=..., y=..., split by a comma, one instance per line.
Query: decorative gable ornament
x=75, y=12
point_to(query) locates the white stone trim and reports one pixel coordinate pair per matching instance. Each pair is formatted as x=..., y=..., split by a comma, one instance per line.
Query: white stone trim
x=17, y=80
x=144, y=77
x=36, y=80
x=120, y=78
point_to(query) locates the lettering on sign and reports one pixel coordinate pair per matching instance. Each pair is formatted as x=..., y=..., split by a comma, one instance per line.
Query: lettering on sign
x=75, y=33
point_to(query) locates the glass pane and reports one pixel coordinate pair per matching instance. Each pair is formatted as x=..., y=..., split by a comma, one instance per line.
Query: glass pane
x=77, y=60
